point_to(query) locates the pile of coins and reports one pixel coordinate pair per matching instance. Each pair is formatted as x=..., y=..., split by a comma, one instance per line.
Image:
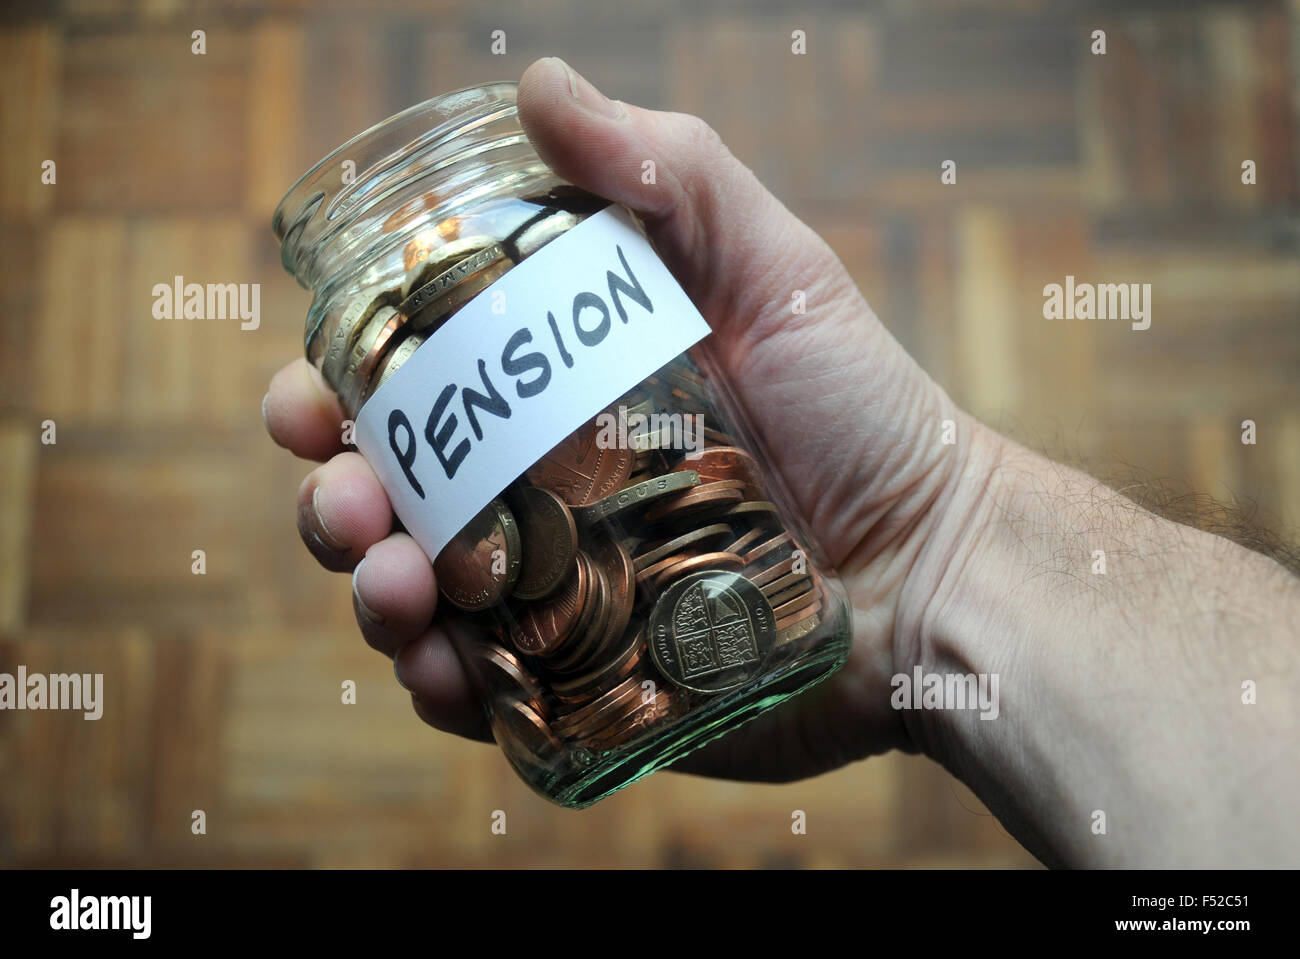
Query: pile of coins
x=381, y=326
x=625, y=585
x=620, y=584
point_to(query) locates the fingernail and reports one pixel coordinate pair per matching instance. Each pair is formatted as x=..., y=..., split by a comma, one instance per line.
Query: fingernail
x=397, y=674
x=265, y=422
x=366, y=611
x=329, y=538
x=591, y=98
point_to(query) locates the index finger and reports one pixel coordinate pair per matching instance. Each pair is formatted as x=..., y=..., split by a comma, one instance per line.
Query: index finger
x=302, y=413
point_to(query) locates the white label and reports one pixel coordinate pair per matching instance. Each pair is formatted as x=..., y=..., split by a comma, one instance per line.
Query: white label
x=588, y=316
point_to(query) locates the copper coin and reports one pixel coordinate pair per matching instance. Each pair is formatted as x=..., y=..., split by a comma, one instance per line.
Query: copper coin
x=603, y=710
x=549, y=540
x=727, y=463
x=616, y=564
x=524, y=726
x=578, y=636
x=758, y=511
x=707, y=494
x=500, y=665
x=771, y=573
x=800, y=629
x=788, y=607
x=597, y=600
x=477, y=568
x=711, y=631
x=654, y=569
x=787, y=597
x=647, y=713
x=728, y=561
x=791, y=584
x=586, y=637
x=630, y=649
x=746, y=541
x=579, y=470
x=573, y=716
x=620, y=725
x=802, y=612
x=635, y=496
x=695, y=536
x=540, y=628
x=766, y=549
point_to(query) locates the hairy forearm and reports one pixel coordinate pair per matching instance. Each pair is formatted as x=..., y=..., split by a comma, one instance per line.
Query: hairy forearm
x=1121, y=642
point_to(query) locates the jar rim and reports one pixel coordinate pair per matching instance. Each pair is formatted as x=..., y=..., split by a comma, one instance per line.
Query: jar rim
x=449, y=109
x=329, y=196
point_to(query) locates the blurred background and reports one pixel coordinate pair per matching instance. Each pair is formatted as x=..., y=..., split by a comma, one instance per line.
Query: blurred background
x=223, y=690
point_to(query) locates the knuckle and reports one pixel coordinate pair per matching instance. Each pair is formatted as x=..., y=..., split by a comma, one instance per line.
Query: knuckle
x=701, y=134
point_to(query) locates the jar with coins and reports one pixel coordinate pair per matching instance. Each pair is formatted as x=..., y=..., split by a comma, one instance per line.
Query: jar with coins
x=623, y=577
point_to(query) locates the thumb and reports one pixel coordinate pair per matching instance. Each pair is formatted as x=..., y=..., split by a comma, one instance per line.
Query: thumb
x=732, y=245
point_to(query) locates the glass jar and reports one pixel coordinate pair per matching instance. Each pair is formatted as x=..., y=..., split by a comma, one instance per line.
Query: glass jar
x=626, y=579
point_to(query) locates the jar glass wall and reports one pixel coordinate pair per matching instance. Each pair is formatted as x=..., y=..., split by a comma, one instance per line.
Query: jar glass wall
x=644, y=587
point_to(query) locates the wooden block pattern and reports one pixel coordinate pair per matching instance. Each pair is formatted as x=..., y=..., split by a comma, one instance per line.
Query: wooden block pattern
x=223, y=690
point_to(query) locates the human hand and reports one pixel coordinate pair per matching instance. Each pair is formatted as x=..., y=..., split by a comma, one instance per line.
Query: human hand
x=847, y=422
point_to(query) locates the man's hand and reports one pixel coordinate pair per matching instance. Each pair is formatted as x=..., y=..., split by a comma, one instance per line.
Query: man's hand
x=848, y=422
x=1119, y=692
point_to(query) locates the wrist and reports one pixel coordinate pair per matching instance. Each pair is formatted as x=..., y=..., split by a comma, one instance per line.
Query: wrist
x=945, y=608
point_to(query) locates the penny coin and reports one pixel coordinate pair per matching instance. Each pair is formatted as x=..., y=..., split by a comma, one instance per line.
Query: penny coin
x=540, y=628
x=760, y=511
x=645, y=714
x=772, y=573
x=595, y=715
x=523, y=725
x=671, y=547
x=798, y=604
x=579, y=470
x=707, y=494
x=694, y=563
x=799, y=629
x=727, y=463
x=794, y=619
x=477, y=568
x=746, y=541
x=583, y=688
x=615, y=562
x=549, y=541
x=501, y=664
x=587, y=635
x=765, y=549
x=711, y=631
x=634, y=496
x=791, y=584
x=654, y=569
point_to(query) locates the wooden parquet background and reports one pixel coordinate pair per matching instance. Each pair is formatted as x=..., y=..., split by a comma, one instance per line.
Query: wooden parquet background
x=222, y=690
